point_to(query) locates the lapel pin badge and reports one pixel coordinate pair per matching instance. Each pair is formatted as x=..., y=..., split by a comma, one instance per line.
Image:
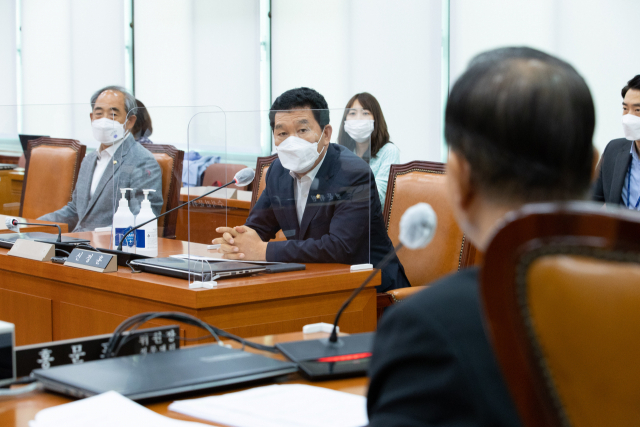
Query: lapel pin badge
x=115, y=162
x=317, y=196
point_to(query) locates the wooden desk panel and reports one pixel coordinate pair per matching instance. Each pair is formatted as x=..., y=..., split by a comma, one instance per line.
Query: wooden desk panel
x=19, y=411
x=263, y=304
x=205, y=215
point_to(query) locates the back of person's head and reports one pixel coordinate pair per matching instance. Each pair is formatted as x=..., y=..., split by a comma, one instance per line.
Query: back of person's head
x=300, y=98
x=524, y=122
x=143, y=125
x=380, y=134
x=634, y=83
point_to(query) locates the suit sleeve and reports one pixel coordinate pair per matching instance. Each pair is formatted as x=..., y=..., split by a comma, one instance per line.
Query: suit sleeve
x=67, y=214
x=262, y=218
x=597, y=189
x=415, y=377
x=348, y=230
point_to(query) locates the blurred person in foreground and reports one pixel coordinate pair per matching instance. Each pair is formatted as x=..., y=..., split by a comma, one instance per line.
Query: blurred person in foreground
x=519, y=125
x=143, y=127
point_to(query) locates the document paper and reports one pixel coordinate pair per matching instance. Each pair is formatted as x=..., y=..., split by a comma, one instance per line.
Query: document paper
x=287, y=405
x=105, y=410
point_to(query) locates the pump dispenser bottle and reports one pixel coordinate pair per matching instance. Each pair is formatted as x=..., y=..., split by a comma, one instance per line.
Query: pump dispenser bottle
x=123, y=221
x=147, y=235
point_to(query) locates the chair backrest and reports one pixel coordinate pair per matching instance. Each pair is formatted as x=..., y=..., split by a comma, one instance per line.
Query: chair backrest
x=170, y=160
x=223, y=173
x=561, y=290
x=262, y=165
x=415, y=182
x=47, y=158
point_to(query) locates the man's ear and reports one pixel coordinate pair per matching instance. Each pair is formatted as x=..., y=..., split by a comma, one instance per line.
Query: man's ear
x=130, y=122
x=327, y=135
x=459, y=177
x=91, y=116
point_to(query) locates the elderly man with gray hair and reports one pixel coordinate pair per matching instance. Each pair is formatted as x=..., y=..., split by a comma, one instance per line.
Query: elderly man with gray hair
x=119, y=162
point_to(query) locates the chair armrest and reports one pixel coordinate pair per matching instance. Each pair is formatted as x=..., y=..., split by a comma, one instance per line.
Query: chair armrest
x=403, y=293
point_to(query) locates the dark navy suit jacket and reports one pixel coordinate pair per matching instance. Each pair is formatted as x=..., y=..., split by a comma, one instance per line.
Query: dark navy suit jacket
x=614, y=165
x=342, y=220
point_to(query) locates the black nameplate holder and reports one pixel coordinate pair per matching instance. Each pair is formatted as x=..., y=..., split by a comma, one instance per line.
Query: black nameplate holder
x=93, y=261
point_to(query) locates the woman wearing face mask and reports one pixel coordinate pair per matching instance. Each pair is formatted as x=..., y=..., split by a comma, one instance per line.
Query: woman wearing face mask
x=364, y=131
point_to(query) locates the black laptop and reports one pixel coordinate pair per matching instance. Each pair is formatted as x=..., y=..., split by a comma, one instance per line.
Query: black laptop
x=162, y=374
x=196, y=270
x=24, y=140
x=7, y=240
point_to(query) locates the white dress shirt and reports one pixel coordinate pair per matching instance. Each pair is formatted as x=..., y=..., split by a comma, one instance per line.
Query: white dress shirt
x=303, y=185
x=105, y=154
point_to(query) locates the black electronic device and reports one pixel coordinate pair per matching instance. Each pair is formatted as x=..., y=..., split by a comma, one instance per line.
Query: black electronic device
x=322, y=360
x=7, y=166
x=7, y=240
x=282, y=267
x=196, y=270
x=59, y=259
x=163, y=374
x=123, y=257
x=417, y=227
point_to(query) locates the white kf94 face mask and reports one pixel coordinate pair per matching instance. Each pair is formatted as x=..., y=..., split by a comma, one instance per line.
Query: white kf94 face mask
x=631, y=127
x=108, y=131
x=298, y=155
x=359, y=130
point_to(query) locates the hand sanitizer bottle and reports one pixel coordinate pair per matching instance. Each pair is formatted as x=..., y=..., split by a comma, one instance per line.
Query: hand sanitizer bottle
x=123, y=221
x=147, y=235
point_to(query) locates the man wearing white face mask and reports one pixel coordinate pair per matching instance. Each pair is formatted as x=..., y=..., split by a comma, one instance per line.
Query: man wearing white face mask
x=119, y=162
x=619, y=170
x=321, y=195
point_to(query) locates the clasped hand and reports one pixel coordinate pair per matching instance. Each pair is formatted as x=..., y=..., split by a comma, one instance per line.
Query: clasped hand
x=241, y=242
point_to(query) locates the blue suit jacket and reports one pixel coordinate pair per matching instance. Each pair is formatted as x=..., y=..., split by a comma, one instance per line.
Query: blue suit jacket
x=342, y=221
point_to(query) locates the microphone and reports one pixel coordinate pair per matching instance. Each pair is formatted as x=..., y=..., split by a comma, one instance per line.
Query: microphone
x=13, y=225
x=242, y=178
x=417, y=227
x=316, y=358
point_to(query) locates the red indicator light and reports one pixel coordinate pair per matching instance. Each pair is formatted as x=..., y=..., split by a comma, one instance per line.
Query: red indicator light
x=346, y=357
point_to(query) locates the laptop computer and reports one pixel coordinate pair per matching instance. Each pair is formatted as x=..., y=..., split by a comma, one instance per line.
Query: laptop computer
x=24, y=140
x=192, y=269
x=7, y=240
x=162, y=374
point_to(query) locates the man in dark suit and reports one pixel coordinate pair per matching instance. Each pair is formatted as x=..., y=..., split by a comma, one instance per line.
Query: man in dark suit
x=519, y=125
x=321, y=195
x=618, y=180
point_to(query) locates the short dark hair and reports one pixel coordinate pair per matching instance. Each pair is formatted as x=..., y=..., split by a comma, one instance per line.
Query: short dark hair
x=524, y=121
x=634, y=83
x=380, y=134
x=301, y=97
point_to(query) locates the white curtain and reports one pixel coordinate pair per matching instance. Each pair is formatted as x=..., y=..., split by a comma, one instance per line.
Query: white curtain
x=8, y=94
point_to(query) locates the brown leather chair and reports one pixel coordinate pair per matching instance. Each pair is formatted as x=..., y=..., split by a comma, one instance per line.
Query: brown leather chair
x=449, y=251
x=47, y=158
x=561, y=290
x=262, y=165
x=223, y=173
x=170, y=160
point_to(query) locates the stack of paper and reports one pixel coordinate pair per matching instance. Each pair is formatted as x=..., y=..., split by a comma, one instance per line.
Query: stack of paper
x=109, y=409
x=286, y=405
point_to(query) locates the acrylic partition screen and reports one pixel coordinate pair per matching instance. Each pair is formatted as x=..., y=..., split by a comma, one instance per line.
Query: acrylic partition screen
x=310, y=202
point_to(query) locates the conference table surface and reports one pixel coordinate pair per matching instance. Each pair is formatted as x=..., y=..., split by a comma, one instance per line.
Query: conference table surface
x=18, y=411
x=48, y=301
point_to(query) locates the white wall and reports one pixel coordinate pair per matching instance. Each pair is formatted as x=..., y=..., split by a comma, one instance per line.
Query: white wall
x=8, y=94
x=390, y=49
x=594, y=36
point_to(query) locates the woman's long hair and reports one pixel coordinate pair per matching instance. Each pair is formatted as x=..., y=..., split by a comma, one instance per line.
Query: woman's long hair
x=380, y=135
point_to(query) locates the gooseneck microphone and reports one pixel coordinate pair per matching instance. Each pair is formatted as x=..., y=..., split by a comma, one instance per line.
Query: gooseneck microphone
x=417, y=227
x=242, y=178
x=13, y=225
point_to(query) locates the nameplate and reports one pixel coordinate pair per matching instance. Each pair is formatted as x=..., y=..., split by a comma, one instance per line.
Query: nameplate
x=30, y=249
x=93, y=261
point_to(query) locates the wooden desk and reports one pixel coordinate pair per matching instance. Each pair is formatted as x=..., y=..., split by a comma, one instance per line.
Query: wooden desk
x=208, y=213
x=48, y=301
x=18, y=411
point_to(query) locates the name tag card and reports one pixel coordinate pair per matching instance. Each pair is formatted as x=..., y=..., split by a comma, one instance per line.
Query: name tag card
x=30, y=249
x=94, y=261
